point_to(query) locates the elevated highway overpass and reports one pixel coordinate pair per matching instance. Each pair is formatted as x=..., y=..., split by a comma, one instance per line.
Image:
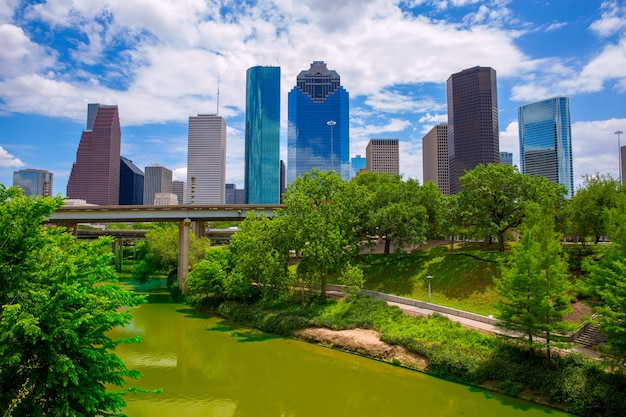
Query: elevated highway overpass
x=184, y=215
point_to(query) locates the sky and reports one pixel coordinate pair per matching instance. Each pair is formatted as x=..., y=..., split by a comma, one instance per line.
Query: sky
x=160, y=62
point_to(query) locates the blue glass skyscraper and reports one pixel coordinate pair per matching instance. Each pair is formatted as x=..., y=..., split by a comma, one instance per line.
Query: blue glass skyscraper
x=545, y=138
x=318, y=130
x=262, y=154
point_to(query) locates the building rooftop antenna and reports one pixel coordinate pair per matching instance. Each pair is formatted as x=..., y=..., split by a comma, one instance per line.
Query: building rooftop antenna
x=218, y=95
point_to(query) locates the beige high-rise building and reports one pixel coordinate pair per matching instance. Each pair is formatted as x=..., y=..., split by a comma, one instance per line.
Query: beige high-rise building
x=435, y=160
x=206, y=160
x=383, y=155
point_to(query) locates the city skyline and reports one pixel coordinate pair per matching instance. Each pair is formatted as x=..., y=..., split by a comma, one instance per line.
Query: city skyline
x=394, y=58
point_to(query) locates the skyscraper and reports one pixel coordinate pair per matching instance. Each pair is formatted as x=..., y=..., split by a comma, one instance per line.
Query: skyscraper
x=506, y=158
x=95, y=176
x=206, y=159
x=545, y=138
x=157, y=179
x=357, y=164
x=473, y=137
x=262, y=141
x=318, y=131
x=34, y=182
x=435, y=161
x=131, y=183
x=178, y=188
x=382, y=155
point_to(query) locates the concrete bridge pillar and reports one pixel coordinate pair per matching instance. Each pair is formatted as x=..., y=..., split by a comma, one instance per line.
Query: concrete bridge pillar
x=183, y=253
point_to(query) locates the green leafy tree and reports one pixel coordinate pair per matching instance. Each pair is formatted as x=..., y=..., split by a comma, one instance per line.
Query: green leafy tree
x=260, y=258
x=209, y=276
x=597, y=193
x=606, y=283
x=493, y=198
x=398, y=210
x=324, y=223
x=533, y=290
x=58, y=300
x=158, y=253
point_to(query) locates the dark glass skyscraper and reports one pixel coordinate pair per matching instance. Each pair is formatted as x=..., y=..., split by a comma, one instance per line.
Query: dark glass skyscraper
x=545, y=139
x=473, y=136
x=262, y=152
x=131, y=183
x=95, y=176
x=318, y=130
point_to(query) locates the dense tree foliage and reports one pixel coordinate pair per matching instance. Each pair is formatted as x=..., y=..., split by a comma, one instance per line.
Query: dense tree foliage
x=398, y=210
x=493, y=198
x=58, y=299
x=597, y=193
x=324, y=222
x=157, y=254
x=606, y=283
x=534, y=289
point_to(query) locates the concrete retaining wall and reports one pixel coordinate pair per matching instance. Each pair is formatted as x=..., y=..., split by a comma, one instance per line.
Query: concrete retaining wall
x=419, y=304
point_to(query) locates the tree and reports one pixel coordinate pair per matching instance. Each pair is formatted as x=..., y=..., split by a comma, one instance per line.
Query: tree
x=493, y=198
x=59, y=298
x=324, y=224
x=597, y=193
x=260, y=258
x=398, y=210
x=533, y=290
x=606, y=283
x=209, y=276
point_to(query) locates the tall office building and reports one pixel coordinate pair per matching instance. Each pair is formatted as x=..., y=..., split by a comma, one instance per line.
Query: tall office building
x=545, y=138
x=473, y=137
x=623, y=161
x=357, y=164
x=506, y=158
x=234, y=195
x=435, y=161
x=95, y=176
x=34, y=182
x=283, y=179
x=262, y=140
x=318, y=131
x=178, y=188
x=382, y=155
x=206, y=160
x=131, y=183
x=157, y=180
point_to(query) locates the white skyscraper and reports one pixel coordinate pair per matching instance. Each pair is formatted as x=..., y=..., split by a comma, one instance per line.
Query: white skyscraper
x=206, y=160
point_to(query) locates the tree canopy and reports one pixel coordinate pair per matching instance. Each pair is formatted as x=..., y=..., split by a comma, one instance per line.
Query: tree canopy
x=58, y=300
x=597, y=193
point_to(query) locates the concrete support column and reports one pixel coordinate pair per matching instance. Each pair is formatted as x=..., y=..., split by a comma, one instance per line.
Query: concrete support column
x=119, y=253
x=199, y=228
x=183, y=253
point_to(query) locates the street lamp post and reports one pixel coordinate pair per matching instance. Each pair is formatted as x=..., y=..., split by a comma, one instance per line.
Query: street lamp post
x=619, y=153
x=331, y=123
x=429, y=278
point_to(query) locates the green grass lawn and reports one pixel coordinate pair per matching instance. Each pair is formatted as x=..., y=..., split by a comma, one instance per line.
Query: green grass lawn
x=462, y=279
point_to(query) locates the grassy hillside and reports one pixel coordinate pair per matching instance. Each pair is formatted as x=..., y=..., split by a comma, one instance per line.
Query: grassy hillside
x=461, y=279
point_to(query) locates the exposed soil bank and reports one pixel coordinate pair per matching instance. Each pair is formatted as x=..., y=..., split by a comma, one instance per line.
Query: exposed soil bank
x=365, y=343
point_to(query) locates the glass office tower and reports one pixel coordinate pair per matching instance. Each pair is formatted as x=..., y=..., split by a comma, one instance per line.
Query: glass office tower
x=34, y=182
x=262, y=140
x=318, y=130
x=545, y=138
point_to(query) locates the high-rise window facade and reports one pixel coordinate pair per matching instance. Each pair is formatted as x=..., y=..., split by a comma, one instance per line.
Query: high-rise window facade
x=506, y=158
x=382, y=155
x=435, y=161
x=358, y=163
x=318, y=130
x=157, y=180
x=473, y=137
x=262, y=140
x=95, y=176
x=206, y=160
x=131, y=183
x=545, y=137
x=34, y=182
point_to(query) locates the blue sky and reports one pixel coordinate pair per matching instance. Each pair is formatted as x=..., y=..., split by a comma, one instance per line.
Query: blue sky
x=159, y=61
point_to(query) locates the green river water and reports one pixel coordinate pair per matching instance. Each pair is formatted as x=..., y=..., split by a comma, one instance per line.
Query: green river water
x=207, y=366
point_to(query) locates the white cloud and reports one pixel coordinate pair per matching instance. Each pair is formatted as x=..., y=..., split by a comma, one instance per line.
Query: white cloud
x=509, y=141
x=9, y=161
x=611, y=20
x=19, y=54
